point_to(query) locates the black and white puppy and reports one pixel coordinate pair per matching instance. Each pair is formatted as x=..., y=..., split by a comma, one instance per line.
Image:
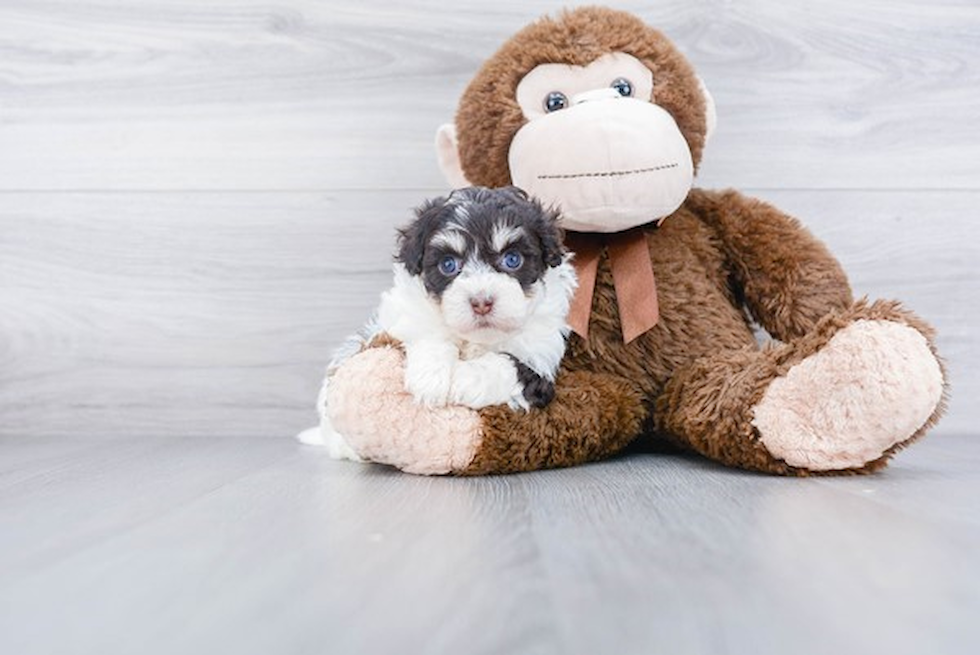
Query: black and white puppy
x=480, y=299
x=482, y=287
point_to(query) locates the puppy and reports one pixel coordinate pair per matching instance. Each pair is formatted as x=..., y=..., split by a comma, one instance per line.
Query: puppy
x=482, y=286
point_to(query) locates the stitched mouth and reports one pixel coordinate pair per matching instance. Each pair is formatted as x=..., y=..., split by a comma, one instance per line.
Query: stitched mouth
x=634, y=171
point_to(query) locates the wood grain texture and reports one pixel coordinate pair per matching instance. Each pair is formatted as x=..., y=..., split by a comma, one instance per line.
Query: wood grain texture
x=214, y=313
x=307, y=95
x=259, y=546
x=166, y=313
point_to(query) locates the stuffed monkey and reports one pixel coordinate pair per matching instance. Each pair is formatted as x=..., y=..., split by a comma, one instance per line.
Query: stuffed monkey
x=601, y=116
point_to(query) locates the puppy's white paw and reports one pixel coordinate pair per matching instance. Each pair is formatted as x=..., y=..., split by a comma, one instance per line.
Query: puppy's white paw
x=430, y=390
x=429, y=372
x=487, y=380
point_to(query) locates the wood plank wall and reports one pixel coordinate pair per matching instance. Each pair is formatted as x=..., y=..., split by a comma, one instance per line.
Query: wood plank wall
x=197, y=199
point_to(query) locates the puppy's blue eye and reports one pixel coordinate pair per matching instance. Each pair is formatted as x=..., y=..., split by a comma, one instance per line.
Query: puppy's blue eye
x=511, y=260
x=622, y=86
x=449, y=265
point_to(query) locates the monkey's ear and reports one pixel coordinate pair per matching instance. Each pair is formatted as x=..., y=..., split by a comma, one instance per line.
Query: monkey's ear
x=710, y=113
x=447, y=151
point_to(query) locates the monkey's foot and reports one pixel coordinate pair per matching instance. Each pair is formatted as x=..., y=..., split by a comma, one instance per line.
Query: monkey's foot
x=870, y=388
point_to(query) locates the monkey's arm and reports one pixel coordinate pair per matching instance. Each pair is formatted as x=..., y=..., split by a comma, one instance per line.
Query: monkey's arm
x=786, y=277
x=593, y=415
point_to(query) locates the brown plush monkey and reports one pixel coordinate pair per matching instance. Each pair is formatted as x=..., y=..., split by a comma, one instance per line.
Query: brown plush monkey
x=596, y=112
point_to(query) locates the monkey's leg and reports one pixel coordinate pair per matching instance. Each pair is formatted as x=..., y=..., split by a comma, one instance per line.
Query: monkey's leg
x=591, y=416
x=841, y=399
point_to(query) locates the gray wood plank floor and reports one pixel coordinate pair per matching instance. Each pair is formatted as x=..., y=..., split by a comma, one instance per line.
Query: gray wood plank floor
x=262, y=546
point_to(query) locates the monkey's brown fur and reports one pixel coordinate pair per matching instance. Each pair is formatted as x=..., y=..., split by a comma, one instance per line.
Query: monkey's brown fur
x=698, y=371
x=489, y=116
x=707, y=260
x=697, y=376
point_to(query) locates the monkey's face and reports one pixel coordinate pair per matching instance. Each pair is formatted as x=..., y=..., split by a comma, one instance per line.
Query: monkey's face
x=593, y=112
x=597, y=145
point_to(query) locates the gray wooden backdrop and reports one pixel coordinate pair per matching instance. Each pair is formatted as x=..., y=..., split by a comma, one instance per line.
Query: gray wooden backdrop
x=197, y=198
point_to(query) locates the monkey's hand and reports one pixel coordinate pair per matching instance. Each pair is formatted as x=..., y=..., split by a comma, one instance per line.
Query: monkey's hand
x=368, y=402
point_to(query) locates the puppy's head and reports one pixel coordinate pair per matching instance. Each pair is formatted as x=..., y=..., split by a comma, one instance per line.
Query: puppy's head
x=481, y=254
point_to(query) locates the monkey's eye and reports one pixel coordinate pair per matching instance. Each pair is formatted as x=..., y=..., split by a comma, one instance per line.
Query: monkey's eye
x=556, y=100
x=450, y=265
x=623, y=86
x=512, y=260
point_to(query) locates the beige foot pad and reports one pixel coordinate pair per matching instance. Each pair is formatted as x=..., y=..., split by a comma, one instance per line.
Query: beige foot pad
x=871, y=387
x=382, y=422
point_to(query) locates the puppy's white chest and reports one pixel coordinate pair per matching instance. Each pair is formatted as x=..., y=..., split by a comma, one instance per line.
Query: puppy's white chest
x=469, y=350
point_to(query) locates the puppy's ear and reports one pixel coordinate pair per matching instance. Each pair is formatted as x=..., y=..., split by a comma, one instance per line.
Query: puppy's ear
x=552, y=236
x=413, y=238
x=515, y=192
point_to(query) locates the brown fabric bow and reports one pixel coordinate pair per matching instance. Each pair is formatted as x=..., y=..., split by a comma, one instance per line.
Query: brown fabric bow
x=632, y=271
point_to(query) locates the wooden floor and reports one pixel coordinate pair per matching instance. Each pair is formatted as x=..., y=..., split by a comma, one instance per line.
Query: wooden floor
x=263, y=546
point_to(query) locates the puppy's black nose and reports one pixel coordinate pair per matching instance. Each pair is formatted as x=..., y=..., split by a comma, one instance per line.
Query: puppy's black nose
x=482, y=305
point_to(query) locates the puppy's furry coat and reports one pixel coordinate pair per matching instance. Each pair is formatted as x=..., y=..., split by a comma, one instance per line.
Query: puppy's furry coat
x=481, y=292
